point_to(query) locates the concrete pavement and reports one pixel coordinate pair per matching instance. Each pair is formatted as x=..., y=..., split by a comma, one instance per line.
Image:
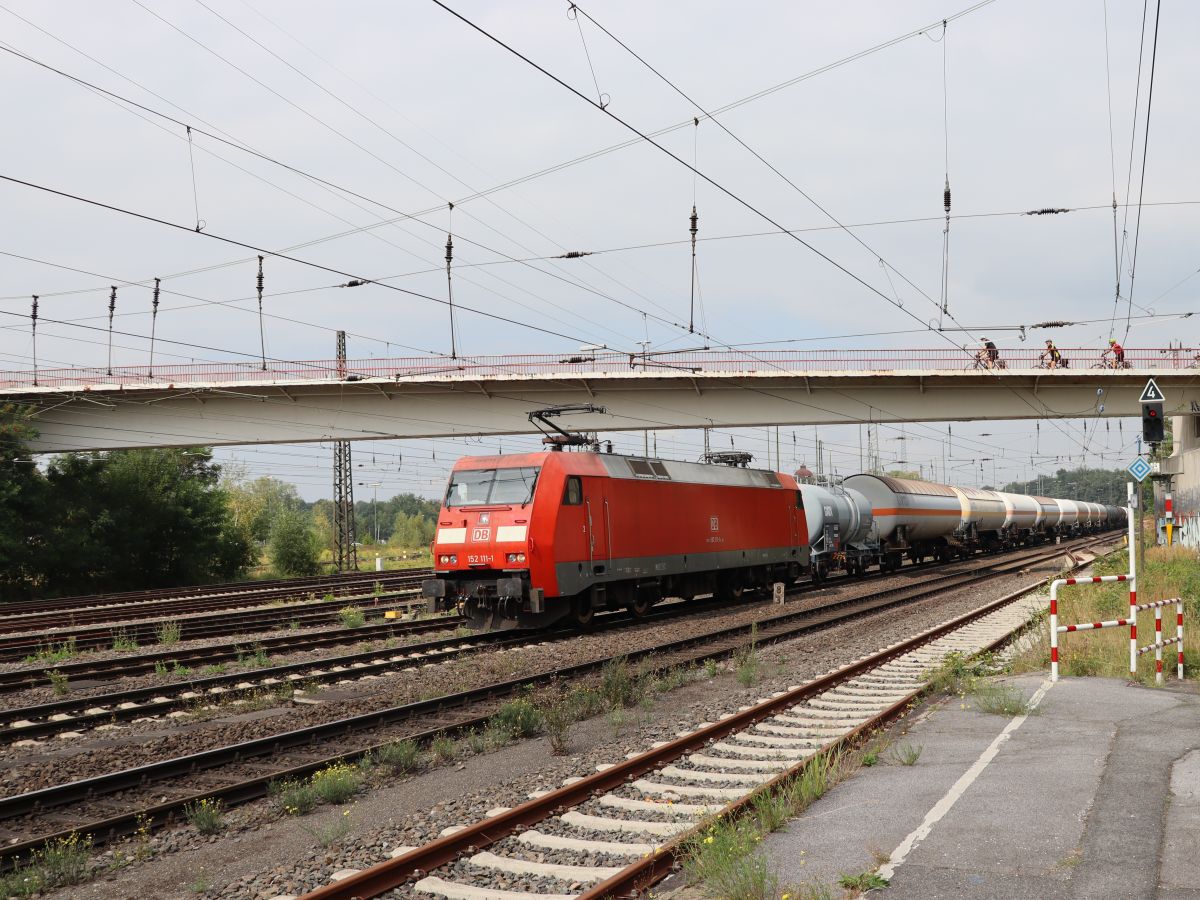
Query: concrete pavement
x=1095, y=795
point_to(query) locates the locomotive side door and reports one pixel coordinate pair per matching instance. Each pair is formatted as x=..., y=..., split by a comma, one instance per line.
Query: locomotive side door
x=598, y=523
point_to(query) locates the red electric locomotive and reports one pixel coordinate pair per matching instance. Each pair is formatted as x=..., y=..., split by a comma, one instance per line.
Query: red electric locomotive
x=531, y=538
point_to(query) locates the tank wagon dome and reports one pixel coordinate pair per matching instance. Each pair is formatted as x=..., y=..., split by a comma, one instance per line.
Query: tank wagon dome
x=804, y=475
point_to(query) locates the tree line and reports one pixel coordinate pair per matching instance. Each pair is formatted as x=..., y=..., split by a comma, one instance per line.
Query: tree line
x=131, y=519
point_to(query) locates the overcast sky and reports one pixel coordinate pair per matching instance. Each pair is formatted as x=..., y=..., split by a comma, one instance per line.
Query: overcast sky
x=410, y=108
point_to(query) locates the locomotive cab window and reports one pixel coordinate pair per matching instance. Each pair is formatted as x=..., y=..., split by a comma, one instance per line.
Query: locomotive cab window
x=483, y=487
x=573, y=493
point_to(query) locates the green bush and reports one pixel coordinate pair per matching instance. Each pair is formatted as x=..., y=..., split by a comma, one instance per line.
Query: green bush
x=520, y=718
x=336, y=783
x=294, y=545
x=399, y=756
x=296, y=798
x=207, y=816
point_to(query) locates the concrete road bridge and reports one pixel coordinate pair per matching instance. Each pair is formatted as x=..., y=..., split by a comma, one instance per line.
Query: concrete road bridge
x=231, y=403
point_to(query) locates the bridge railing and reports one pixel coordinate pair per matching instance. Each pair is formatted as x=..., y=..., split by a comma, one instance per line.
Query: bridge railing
x=783, y=362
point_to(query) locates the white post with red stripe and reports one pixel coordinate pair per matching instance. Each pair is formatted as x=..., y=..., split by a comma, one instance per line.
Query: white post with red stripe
x=1132, y=543
x=1179, y=635
x=1158, y=645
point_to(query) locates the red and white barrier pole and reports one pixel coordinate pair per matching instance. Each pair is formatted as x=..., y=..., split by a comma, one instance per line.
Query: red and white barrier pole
x=1158, y=645
x=1179, y=634
x=1133, y=654
x=1054, y=628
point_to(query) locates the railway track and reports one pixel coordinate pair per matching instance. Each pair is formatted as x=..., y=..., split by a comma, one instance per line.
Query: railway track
x=97, y=670
x=107, y=806
x=317, y=584
x=204, y=626
x=73, y=619
x=618, y=832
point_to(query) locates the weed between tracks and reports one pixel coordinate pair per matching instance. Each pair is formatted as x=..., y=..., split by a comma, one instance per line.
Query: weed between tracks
x=58, y=681
x=60, y=862
x=123, y=641
x=169, y=633
x=53, y=653
x=207, y=816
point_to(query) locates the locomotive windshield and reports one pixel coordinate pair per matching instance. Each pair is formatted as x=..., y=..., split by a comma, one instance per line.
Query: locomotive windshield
x=485, y=487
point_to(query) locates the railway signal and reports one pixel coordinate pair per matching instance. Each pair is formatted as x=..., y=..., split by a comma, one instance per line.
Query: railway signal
x=1152, y=413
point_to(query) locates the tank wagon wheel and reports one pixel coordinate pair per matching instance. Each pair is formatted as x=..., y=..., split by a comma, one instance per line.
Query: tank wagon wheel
x=639, y=605
x=818, y=574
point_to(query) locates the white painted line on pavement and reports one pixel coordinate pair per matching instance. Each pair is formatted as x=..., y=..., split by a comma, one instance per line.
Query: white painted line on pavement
x=944, y=805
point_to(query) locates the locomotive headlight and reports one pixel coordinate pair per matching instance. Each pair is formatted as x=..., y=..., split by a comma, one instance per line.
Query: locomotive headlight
x=448, y=559
x=516, y=557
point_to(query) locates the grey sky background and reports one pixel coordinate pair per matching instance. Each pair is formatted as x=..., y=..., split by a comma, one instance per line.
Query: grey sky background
x=451, y=113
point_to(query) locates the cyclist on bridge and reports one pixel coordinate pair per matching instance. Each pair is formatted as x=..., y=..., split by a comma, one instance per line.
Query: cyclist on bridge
x=1118, y=353
x=989, y=352
x=1053, y=357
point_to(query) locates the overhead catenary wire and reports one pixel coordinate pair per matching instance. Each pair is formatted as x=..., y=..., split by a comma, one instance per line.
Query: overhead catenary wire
x=733, y=196
x=1137, y=94
x=1112, y=161
x=277, y=254
x=1145, y=151
x=712, y=116
x=400, y=216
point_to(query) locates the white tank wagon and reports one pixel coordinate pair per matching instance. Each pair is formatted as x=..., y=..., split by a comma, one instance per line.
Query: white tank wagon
x=841, y=530
x=1024, y=516
x=1051, y=515
x=1069, y=521
x=917, y=518
x=983, y=517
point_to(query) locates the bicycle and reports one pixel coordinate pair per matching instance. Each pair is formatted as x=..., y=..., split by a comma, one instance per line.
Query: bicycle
x=1045, y=362
x=983, y=361
x=1108, y=360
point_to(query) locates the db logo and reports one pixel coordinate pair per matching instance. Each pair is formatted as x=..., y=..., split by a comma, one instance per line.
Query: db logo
x=714, y=523
x=481, y=534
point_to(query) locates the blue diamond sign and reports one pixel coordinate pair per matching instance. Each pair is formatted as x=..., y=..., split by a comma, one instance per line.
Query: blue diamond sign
x=1139, y=469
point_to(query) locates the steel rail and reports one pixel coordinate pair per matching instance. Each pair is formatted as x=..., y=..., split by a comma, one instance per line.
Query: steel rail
x=143, y=663
x=202, y=627
x=120, y=825
x=218, y=591
x=191, y=591
x=637, y=877
x=246, y=603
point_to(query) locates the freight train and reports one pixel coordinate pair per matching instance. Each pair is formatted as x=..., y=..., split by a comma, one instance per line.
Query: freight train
x=526, y=539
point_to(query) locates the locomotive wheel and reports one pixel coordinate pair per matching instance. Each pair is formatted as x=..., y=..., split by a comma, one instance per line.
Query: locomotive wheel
x=727, y=590
x=582, y=611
